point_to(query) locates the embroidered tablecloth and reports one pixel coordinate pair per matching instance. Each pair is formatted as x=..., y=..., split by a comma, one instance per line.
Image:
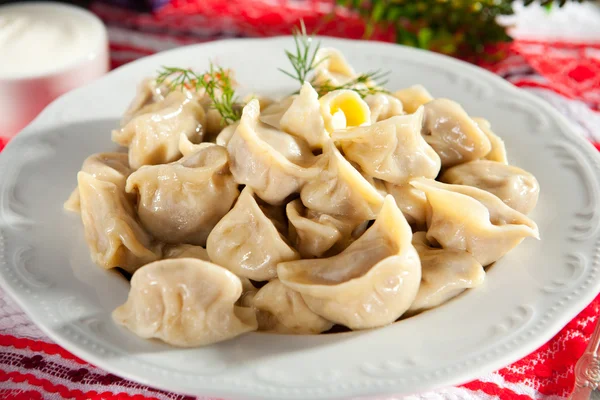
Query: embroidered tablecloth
x=556, y=56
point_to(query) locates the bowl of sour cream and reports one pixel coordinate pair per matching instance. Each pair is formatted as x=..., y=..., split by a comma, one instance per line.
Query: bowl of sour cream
x=46, y=49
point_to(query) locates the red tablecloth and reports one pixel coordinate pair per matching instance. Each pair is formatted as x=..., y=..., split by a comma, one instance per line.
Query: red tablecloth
x=565, y=74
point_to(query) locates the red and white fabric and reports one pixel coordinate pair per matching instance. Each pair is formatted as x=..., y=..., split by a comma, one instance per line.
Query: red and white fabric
x=560, y=65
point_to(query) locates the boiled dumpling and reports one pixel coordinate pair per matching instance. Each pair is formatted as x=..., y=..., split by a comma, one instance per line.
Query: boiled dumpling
x=286, y=311
x=370, y=284
x=153, y=137
x=514, y=186
x=340, y=190
x=383, y=106
x=273, y=163
x=411, y=201
x=272, y=114
x=114, y=236
x=413, y=97
x=453, y=134
x=303, y=118
x=445, y=273
x=313, y=234
x=498, y=152
x=185, y=251
x=181, y=202
x=332, y=69
x=185, y=302
x=148, y=92
x=247, y=242
x=109, y=167
x=226, y=134
x=343, y=109
x=392, y=150
x=471, y=219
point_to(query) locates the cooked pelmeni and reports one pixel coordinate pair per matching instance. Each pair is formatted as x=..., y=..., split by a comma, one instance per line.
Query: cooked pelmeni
x=108, y=167
x=303, y=118
x=153, y=137
x=271, y=162
x=514, y=186
x=247, y=242
x=392, y=150
x=185, y=251
x=413, y=97
x=114, y=236
x=262, y=100
x=226, y=134
x=471, y=219
x=453, y=134
x=412, y=202
x=289, y=313
x=343, y=109
x=148, y=92
x=340, y=190
x=498, y=152
x=272, y=114
x=185, y=302
x=383, y=106
x=181, y=202
x=370, y=284
x=445, y=273
x=331, y=68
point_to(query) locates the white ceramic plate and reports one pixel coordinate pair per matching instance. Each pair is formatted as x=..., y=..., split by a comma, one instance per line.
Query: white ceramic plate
x=528, y=295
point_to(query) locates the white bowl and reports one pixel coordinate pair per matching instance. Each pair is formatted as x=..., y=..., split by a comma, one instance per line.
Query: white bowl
x=528, y=296
x=26, y=91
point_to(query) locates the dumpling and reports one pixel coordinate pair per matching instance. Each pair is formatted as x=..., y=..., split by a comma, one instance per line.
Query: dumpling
x=453, y=134
x=413, y=97
x=153, y=137
x=114, y=236
x=514, y=186
x=331, y=68
x=383, y=106
x=445, y=273
x=272, y=114
x=340, y=190
x=313, y=234
x=247, y=242
x=471, y=219
x=370, y=284
x=109, y=167
x=343, y=109
x=303, y=118
x=185, y=251
x=287, y=310
x=226, y=134
x=181, y=202
x=412, y=202
x=392, y=150
x=148, y=92
x=498, y=152
x=185, y=302
x=273, y=163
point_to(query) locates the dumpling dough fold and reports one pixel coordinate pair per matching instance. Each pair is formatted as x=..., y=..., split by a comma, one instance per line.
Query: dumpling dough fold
x=185, y=302
x=370, y=284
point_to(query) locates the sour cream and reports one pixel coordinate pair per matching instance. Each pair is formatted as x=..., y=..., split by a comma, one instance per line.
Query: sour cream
x=46, y=49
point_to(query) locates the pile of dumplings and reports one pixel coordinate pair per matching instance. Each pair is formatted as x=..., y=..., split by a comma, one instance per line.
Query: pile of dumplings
x=309, y=212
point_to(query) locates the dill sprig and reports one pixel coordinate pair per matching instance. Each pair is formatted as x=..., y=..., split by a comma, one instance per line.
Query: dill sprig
x=217, y=85
x=364, y=84
x=303, y=60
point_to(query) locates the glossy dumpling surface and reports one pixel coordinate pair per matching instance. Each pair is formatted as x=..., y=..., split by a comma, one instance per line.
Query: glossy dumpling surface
x=247, y=242
x=383, y=106
x=271, y=162
x=445, y=273
x=413, y=97
x=453, y=134
x=471, y=219
x=392, y=150
x=340, y=190
x=153, y=136
x=287, y=310
x=411, y=201
x=303, y=118
x=498, y=151
x=514, y=186
x=185, y=302
x=113, y=234
x=185, y=251
x=370, y=284
x=181, y=202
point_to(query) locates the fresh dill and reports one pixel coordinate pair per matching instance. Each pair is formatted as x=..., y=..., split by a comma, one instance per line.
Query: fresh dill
x=216, y=83
x=303, y=64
